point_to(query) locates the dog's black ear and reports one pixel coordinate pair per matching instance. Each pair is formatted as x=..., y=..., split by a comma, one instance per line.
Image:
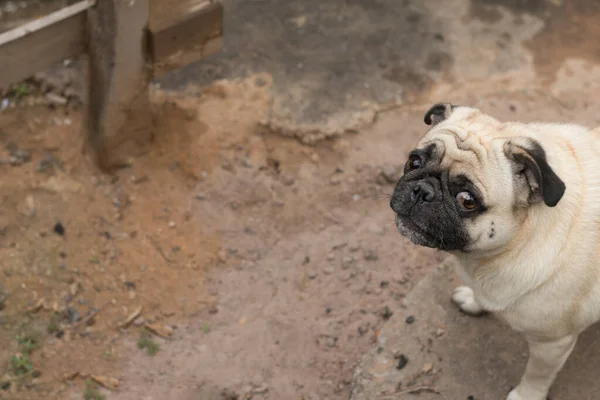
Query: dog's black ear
x=543, y=182
x=438, y=113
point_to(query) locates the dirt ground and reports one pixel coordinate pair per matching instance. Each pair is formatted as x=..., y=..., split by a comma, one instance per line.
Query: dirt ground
x=197, y=234
x=251, y=264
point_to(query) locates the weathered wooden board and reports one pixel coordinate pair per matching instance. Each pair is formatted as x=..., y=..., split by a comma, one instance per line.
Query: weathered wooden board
x=185, y=33
x=42, y=42
x=19, y=13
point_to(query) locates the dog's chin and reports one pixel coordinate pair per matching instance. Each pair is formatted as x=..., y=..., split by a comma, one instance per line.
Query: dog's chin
x=412, y=232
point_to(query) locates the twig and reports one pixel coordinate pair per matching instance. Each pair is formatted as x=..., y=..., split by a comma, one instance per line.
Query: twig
x=415, y=390
x=87, y=318
x=159, y=249
x=130, y=318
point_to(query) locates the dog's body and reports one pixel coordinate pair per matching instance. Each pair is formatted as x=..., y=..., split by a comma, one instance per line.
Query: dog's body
x=526, y=225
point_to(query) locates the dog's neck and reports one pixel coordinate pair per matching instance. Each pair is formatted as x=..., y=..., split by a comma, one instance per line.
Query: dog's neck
x=498, y=277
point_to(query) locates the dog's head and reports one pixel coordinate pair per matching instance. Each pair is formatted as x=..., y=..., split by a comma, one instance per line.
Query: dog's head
x=471, y=180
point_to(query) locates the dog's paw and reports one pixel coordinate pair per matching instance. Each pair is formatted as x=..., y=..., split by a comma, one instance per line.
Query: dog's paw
x=464, y=297
x=515, y=395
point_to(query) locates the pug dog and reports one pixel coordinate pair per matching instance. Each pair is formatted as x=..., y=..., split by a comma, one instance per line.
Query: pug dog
x=519, y=206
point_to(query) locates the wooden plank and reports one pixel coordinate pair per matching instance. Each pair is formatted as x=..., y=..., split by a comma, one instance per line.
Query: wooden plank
x=184, y=34
x=45, y=22
x=21, y=12
x=39, y=44
x=120, y=118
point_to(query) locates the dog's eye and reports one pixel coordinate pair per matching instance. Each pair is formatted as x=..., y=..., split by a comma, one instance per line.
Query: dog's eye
x=414, y=162
x=466, y=201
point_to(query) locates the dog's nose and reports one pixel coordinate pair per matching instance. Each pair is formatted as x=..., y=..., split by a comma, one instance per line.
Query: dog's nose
x=424, y=191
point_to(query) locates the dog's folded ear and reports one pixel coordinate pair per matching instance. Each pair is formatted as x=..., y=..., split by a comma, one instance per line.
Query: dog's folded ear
x=438, y=113
x=530, y=158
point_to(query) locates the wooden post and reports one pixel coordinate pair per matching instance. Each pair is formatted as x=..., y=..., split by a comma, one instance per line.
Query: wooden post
x=120, y=119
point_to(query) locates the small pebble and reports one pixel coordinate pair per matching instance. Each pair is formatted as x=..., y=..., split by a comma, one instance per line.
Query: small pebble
x=356, y=197
x=347, y=262
x=73, y=315
x=312, y=274
x=56, y=99
x=470, y=398
x=260, y=82
x=260, y=389
x=287, y=180
x=370, y=255
x=364, y=328
x=402, y=361
x=387, y=313
x=227, y=166
x=335, y=180
x=59, y=229
x=329, y=270
x=410, y=319
x=172, y=224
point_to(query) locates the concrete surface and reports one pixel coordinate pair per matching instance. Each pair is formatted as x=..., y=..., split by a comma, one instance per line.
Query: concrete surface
x=452, y=355
x=336, y=63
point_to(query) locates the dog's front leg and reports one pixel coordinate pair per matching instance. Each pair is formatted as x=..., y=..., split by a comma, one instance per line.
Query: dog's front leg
x=546, y=358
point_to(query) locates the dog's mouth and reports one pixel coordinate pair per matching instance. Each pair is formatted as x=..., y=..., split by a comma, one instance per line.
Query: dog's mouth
x=414, y=233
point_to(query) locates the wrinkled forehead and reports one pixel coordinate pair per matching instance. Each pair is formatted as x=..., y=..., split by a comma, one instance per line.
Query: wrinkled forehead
x=465, y=146
x=454, y=143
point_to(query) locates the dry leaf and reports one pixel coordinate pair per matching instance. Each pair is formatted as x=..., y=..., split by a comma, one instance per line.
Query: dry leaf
x=70, y=376
x=107, y=382
x=160, y=330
